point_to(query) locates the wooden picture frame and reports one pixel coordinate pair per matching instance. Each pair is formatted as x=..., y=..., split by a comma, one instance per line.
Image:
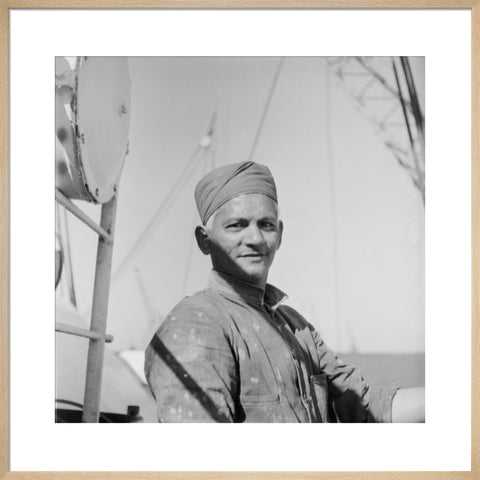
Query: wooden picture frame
x=5, y=8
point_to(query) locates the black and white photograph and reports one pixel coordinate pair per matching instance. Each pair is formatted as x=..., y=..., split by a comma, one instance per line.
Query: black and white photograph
x=240, y=239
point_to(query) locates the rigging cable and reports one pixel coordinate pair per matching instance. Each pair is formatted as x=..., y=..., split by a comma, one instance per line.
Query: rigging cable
x=194, y=222
x=419, y=180
x=266, y=107
x=161, y=211
x=153, y=316
x=334, y=226
x=192, y=242
x=417, y=111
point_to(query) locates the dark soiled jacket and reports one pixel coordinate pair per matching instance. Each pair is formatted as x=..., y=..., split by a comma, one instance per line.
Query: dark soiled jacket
x=232, y=353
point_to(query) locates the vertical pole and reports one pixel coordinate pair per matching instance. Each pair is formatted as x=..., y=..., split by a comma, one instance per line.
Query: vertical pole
x=420, y=174
x=96, y=348
x=417, y=112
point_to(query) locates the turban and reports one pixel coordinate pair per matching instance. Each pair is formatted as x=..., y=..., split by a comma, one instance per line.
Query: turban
x=226, y=182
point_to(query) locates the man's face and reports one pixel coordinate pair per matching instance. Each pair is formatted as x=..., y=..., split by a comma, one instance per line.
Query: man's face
x=244, y=237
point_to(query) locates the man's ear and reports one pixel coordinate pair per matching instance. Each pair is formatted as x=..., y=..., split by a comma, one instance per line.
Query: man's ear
x=203, y=241
x=280, y=233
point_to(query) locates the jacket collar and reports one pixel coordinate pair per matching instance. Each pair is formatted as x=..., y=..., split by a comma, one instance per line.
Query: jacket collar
x=236, y=289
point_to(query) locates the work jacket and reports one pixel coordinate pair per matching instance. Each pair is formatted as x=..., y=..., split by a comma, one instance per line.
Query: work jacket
x=234, y=353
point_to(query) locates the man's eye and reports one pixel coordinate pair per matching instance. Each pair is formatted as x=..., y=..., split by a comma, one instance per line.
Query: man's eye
x=234, y=225
x=268, y=226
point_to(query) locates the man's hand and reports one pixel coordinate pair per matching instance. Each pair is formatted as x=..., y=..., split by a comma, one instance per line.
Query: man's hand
x=409, y=405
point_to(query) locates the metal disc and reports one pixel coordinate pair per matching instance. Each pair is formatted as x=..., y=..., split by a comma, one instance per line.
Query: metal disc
x=92, y=127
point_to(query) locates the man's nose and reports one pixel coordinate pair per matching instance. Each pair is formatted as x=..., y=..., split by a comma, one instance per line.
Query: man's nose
x=253, y=235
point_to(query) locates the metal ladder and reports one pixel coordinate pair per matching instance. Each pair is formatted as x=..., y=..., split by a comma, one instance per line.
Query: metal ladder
x=98, y=324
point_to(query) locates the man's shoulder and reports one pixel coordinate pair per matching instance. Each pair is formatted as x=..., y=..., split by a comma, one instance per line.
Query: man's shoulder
x=196, y=319
x=200, y=302
x=203, y=309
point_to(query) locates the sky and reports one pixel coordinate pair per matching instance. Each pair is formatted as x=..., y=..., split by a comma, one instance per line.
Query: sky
x=352, y=257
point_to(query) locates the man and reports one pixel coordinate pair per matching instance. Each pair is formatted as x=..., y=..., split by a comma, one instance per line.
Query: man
x=233, y=352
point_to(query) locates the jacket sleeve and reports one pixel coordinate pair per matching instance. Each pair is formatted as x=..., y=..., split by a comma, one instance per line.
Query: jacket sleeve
x=353, y=400
x=190, y=368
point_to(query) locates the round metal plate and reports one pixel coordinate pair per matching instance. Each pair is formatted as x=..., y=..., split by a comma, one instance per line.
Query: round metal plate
x=93, y=128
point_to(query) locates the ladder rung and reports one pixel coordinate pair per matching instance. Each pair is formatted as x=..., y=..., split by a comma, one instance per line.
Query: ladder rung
x=81, y=332
x=72, y=208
